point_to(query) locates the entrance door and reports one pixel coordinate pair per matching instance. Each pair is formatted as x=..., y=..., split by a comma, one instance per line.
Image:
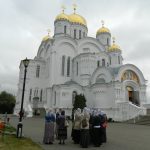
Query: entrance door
x=133, y=96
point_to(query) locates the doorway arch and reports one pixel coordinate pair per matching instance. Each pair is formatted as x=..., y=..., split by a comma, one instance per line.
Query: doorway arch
x=133, y=95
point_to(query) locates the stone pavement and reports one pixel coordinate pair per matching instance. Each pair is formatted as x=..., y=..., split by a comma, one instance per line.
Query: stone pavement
x=120, y=136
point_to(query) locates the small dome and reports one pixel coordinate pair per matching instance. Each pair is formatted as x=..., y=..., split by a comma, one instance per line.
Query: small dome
x=113, y=48
x=62, y=16
x=75, y=18
x=45, y=38
x=103, y=30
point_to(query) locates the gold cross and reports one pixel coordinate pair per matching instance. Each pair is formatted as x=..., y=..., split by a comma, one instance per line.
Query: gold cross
x=102, y=21
x=74, y=8
x=63, y=8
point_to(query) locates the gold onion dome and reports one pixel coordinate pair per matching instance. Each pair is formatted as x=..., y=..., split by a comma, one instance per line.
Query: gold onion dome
x=103, y=29
x=62, y=16
x=114, y=47
x=45, y=38
x=75, y=18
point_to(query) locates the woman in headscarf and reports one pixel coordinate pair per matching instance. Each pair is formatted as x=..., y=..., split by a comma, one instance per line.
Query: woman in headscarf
x=96, y=129
x=85, y=138
x=62, y=128
x=49, y=127
x=77, y=126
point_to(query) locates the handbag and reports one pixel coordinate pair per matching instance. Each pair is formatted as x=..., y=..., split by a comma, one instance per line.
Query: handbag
x=66, y=123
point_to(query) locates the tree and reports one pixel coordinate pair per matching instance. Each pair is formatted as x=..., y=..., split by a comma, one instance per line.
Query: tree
x=80, y=102
x=7, y=102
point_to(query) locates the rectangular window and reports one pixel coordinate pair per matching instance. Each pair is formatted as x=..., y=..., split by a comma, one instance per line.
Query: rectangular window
x=63, y=66
x=41, y=94
x=65, y=29
x=30, y=95
x=103, y=62
x=68, y=66
x=75, y=34
x=38, y=71
x=79, y=34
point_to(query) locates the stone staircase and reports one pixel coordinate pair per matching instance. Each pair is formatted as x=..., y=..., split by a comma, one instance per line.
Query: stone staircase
x=141, y=120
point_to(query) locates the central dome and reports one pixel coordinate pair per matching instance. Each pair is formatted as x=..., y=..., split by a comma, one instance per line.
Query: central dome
x=75, y=18
x=62, y=16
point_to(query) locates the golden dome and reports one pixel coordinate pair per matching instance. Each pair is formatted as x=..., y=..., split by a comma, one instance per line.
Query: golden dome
x=75, y=18
x=103, y=30
x=62, y=16
x=114, y=47
x=46, y=38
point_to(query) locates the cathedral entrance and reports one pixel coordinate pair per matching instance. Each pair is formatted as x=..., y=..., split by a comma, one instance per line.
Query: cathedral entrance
x=133, y=96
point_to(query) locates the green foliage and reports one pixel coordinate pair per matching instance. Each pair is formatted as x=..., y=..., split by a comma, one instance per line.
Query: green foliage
x=80, y=102
x=7, y=102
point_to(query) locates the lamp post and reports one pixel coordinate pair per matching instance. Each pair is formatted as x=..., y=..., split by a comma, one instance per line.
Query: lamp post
x=20, y=125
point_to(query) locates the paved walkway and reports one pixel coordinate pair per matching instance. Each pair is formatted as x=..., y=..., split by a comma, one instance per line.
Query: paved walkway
x=120, y=136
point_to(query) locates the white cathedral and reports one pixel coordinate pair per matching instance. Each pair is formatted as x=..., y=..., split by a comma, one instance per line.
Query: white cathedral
x=71, y=63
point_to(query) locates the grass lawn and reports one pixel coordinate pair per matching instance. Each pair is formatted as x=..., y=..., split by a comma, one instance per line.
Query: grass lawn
x=10, y=142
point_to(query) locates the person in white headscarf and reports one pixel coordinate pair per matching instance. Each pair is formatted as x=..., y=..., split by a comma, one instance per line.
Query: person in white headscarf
x=76, y=129
x=49, y=127
x=84, y=140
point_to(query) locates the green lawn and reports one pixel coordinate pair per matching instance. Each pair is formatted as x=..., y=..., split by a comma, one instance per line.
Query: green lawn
x=10, y=142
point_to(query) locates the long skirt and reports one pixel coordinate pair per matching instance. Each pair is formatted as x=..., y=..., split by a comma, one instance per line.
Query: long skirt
x=84, y=140
x=76, y=136
x=96, y=137
x=62, y=133
x=48, y=133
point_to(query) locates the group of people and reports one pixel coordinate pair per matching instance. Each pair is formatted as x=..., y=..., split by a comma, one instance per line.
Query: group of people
x=88, y=126
x=59, y=129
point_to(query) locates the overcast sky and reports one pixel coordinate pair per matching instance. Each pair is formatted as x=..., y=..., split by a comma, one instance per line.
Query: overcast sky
x=23, y=24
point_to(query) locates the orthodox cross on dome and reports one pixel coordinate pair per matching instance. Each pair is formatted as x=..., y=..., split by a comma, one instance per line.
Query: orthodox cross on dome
x=102, y=21
x=74, y=8
x=63, y=8
x=113, y=38
x=48, y=31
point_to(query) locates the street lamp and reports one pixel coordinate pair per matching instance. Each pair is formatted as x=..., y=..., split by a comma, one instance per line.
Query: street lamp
x=20, y=125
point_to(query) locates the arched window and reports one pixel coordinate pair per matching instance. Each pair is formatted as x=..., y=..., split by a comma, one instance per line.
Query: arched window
x=54, y=98
x=77, y=68
x=79, y=34
x=65, y=29
x=75, y=36
x=68, y=66
x=103, y=62
x=41, y=95
x=63, y=66
x=38, y=71
x=98, y=63
x=74, y=93
x=107, y=41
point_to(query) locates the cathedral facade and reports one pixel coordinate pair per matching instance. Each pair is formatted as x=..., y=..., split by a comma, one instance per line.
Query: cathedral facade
x=71, y=63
